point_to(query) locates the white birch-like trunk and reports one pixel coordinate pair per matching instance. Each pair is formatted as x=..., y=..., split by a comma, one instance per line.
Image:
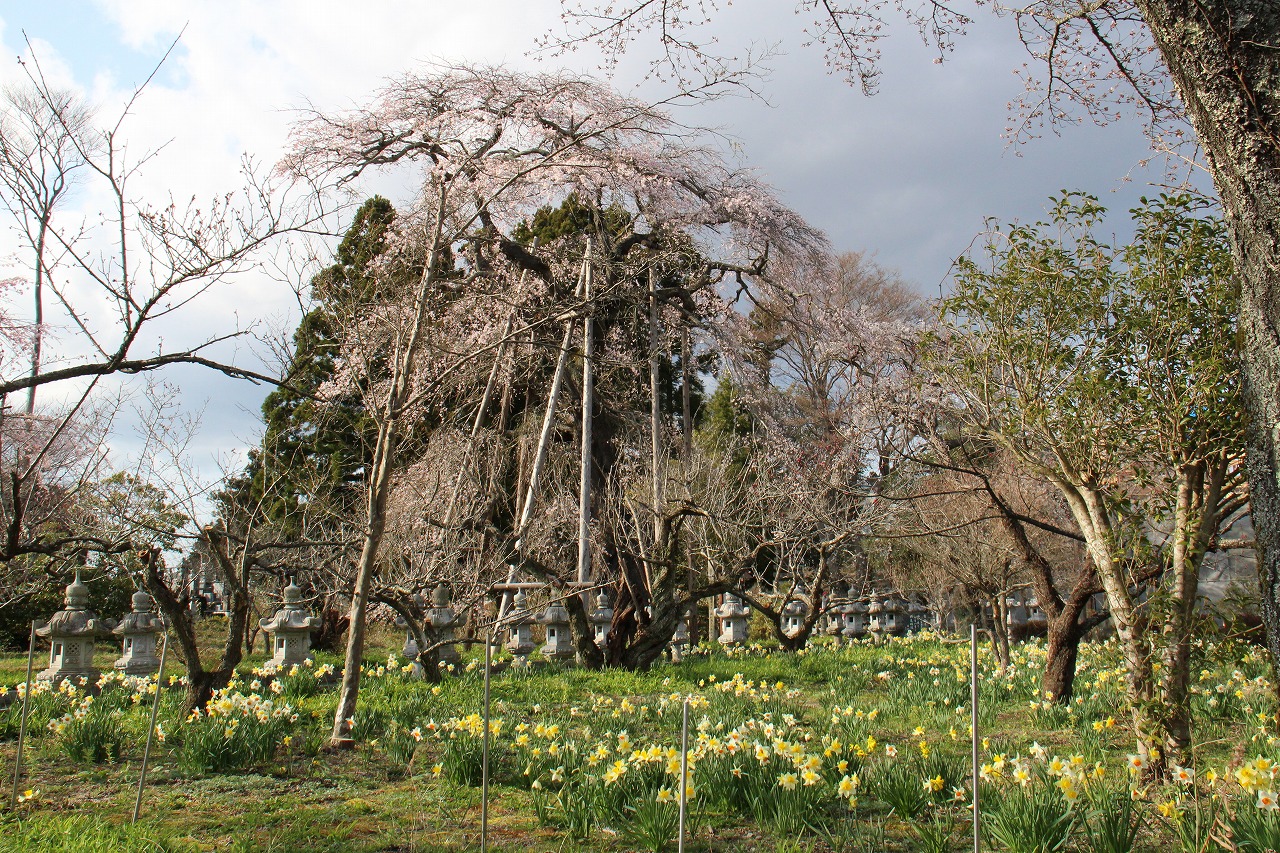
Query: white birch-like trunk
x=384, y=455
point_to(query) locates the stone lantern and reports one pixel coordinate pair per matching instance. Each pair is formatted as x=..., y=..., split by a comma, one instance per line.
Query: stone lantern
x=733, y=620
x=443, y=619
x=410, y=649
x=1036, y=618
x=854, y=617
x=679, y=640
x=555, y=620
x=834, y=610
x=875, y=615
x=519, y=635
x=290, y=629
x=71, y=633
x=601, y=619
x=834, y=618
x=893, y=616
x=793, y=614
x=139, y=631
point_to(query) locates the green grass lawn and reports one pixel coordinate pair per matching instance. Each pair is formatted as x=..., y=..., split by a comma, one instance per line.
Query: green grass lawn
x=834, y=749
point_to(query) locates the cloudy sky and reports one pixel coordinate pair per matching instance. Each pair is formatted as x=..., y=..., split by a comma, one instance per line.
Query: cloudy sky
x=908, y=175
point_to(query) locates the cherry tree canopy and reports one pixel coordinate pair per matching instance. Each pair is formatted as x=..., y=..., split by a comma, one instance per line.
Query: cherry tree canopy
x=507, y=143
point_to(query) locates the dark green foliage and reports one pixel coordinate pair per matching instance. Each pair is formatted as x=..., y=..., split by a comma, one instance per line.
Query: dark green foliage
x=109, y=596
x=1029, y=820
x=726, y=422
x=572, y=217
x=1113, y=823
x=311, y=450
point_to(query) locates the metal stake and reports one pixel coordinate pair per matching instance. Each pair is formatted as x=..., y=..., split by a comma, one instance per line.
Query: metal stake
x=151, y=731
x=22, y=724
x=973, y=725
x=684, y=771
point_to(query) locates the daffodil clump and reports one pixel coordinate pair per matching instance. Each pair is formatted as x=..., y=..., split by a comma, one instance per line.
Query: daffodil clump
x=462, y=744
x=296, y=681
x=236, y=729
x=88, y=722
x=93, y=728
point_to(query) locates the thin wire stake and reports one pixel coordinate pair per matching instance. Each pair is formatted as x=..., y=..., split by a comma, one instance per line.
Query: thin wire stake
x=22, y=725
x=973, y=725
x=151, y=731
x=684, y=771
x=484, y=748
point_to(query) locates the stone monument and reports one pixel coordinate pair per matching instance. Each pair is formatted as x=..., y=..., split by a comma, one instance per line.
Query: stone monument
x=555, y=621
x=519, y=635
x=443, y=619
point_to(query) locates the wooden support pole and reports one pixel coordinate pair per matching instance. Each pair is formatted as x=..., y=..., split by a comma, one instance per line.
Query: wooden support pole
x=588, y=415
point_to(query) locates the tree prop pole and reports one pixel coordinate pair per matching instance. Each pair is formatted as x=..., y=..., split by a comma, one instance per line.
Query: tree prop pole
x=655, y=412
x=544, y=438
x=22, y=725
x=151, y=730
x=588, y=413
x=973, y=730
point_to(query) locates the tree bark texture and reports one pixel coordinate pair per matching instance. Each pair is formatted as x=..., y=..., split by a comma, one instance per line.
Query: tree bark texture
x=1224, y=57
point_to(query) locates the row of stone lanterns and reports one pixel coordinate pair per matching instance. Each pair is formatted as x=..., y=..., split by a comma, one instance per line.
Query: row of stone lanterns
x=73, y=631
x=882, y=615
x=558, y=644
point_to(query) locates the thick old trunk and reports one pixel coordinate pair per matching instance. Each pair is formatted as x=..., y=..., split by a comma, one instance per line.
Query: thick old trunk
x=1065, y=631
x=1057, y=682
x=333, y=624
x=1222, y=56
x=1000, y=632
x=200, y=682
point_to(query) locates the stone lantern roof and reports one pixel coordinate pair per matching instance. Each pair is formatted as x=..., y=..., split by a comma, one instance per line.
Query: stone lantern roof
x=75, y=619
x=142, y=619
x=554, y=614
x=732, y=606
x=293, y=614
